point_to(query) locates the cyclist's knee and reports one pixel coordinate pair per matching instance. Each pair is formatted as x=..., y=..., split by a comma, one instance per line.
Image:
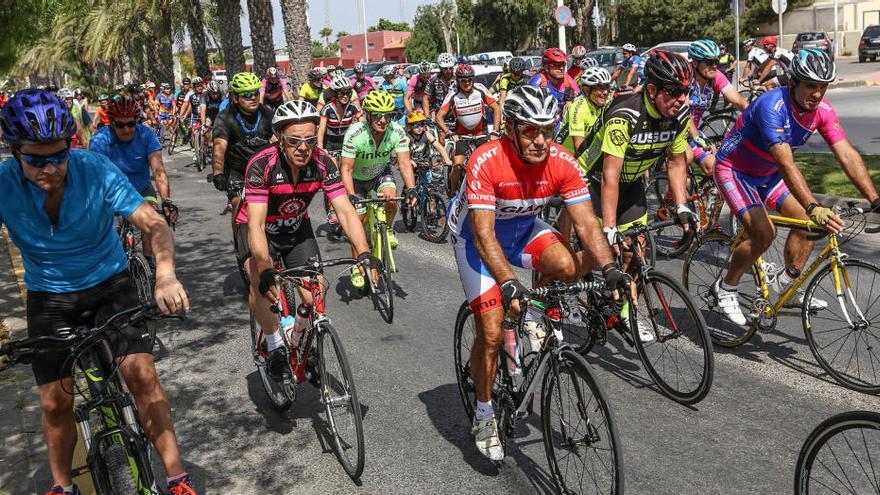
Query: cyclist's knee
x=55, y=402
x=489, y=328
x=140, y=374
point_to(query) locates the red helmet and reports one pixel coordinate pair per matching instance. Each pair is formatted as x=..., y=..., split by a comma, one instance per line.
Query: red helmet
x=123, y=107
x=579, y=52
x=553, y=56
x=770, y=40
x=464, y=70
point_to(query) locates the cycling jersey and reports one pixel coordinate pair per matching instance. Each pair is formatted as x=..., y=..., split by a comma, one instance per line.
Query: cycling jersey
x=166, y=104
x=632, y=129
x=540, y=80
x=420, y=150
x=180, y=97
x=469, y=109
x=416, y=87
x=575, y=72
x=773, y=119
x=700, y=98
x=363, y=86
x=273, y=92
x=507, y=83
x=338, y=121
x=269, y=180
x=310, y=93
x=371, y=159
x=101, y=116
x=637, y=62
x=82, y=249
x=757, y=57
x=784, y=56
x=245, y=134
x=396, y=88
x=580, y=120
x=212, y=106
x=195, y=103
x=132, y=158
x=436, y=89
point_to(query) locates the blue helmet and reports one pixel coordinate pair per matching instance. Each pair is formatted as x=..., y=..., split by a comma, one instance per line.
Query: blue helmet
x=703, y=49
x=36, y=116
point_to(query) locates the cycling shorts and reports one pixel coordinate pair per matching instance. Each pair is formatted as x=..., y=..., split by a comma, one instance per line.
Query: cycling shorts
x=48, y=311
x=480, y=288
x=384, y=180
x=632, y=204
x=293, y=250
x=742, y=191
x=465, y=147
x=700, y=154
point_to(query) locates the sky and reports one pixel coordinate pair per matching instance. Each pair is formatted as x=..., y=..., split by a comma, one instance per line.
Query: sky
x=343, y=16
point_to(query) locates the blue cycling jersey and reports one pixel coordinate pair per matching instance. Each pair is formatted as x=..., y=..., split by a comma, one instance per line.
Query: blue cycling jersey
x=636, y=60
x=131, y=157
x=83, y=249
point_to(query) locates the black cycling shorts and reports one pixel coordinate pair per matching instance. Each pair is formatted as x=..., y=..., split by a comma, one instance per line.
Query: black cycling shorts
x=293, y=249
x=463, y=147
x=632, y=204
x=49, y=311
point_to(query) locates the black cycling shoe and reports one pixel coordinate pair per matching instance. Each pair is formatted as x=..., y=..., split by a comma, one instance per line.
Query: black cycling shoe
x=312, y=369
x=279, y=365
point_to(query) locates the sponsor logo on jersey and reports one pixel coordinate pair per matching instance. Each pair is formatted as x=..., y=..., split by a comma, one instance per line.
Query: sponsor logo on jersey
x=653, y=137
x=292, y=207
x=480, y=160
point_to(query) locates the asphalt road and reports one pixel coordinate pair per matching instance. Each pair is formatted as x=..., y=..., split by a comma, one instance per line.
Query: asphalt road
x=743, y=438
x=850, y=68
x=854, y=107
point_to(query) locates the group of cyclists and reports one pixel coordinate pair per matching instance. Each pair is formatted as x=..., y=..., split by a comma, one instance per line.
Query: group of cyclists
x=560, y=132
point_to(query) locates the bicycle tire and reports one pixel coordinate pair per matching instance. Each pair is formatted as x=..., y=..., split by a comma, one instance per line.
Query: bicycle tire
x=117, y=467
x=687, y=390
x=435, y=228
x=142, y=276
x=464, y=336
x=409, y=215
x=574, y=365
x=274, y=391
x=716, y=126
x=841, y=340
x=328, y=340
x=856, y=480
x=381, y=290
x=704, y=263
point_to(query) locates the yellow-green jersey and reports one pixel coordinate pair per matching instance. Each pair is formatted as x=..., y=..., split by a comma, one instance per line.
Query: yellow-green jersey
x=632, y=129
x=507, y=83
x=581, y=118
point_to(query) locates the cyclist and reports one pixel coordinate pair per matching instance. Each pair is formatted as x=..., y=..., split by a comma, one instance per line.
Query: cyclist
x=192, y=108
x=274, y=220
x=337, y=115
x=774, y=70
x=362, y=83
x=726, y=62
x=756, y=58
x=59, y=205
x=415, y=90
x=134, y=149
x=578, y=55
x=83, y=120
x=210, y=108
x=395, y=86
x=273, y=91
x=312, y=89
x=468, y=102
x=423, y=141
x=240, y=131
x=552, y=77
x=495, y=225
x=636, y=131
x=585, y=111
x=180, y=93
x=166, y=107
x=512, y=79
x=634, y=66
x=439, y=86
x=366, y=161
x=707, y=82
x=755, y=170
x=101, y=112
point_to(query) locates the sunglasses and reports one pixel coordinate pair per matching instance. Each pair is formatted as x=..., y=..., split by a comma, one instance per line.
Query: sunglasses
x=675, y=92
x=249, y=94
x=296, y=142
x=532, y=131
x=122, y=125
x=389, y=116
x=710, y=61
x=465, y=80
x=40, y=161
x=602, y=88
x=418, y=125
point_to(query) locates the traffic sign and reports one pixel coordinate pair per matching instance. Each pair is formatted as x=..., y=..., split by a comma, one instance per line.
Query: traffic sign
x=598, y=17
x=779, y=6
x=563, y=15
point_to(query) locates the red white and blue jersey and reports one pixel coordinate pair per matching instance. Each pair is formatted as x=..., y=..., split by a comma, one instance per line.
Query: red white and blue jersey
x=540, y=80
x=498, y=180
x=699, y=98
x=774, y=119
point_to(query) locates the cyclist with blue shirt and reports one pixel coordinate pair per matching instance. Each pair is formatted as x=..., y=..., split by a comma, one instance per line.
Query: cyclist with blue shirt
x=396, y=87
x=59, y=206
x=634, y=65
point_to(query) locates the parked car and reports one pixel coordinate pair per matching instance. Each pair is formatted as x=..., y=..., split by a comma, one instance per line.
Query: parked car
x=869, y=44
x=486, y=74
x=813, y=39
x=533, y=63
x=679, y=47
x=607, y=56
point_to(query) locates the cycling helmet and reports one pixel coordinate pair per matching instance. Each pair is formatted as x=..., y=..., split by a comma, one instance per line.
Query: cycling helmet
x=703, y=49
x=186, y=80
x=118, y=88
x=359, y=68
x=150, y=85
x=553, y=56
x=595, y=76
x=339, y=83
x=35, y=116
x=578, y=52
x=103, y=97
x=213, y=87
x=532, y=105
x=123, y=107
x=166, y=86
x=770, y=40
x=424, y=67
x=629, y=47
x=134, y=87
x=322, y=70
x=65, y=93
x=665, y=68
x=749, y=43
x=445, y=60
x=330, y=68
x=389, y=70
x=415, y=116
x=271, y=72
x=378, y=101
x=813, y=65
x=588, y=62
x=52, y=87
x=292, y=112
x=77, y=92
x=243, y=82
x=198, y=80
x=316, y=74
x=464, y=70
x=517, y=64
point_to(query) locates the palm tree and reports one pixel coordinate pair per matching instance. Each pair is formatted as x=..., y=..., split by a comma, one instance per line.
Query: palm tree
x=195, y=25
x=262, y=44
x=326, y=33
x=229, y=14
x=298, y=38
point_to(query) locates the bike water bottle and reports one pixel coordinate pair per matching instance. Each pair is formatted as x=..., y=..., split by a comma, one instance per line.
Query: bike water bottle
x=302, y=319
x=287, y=325
x=509, y=328
x=535, y=325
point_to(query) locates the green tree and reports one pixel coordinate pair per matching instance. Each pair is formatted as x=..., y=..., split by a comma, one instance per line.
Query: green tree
x=326, y=33
x=427, y=38
x=506, y=24
x=386, y=25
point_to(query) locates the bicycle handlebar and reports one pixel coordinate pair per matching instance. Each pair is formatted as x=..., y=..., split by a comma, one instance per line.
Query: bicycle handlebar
x=561, y=289
x=380, y=200
x=315, y=266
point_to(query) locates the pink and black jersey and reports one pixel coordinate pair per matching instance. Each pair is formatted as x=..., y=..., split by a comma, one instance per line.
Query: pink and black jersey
x=269, y=180
x=700, y=98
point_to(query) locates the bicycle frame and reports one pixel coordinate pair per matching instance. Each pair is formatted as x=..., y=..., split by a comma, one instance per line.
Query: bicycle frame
x=376, y=217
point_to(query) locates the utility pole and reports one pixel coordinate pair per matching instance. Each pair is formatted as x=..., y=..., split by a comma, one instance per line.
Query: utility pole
x=402, y=10
x=326, y=13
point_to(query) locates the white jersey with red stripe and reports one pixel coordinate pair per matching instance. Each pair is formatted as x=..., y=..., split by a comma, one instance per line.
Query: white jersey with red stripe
x=469, y=109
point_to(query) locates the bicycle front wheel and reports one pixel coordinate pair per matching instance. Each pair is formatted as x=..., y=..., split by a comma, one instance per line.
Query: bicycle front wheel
x=842, y=325
x=339, y=396
x=381, y=289
x=142, y=277
x=580, y=437
x=679, y=359
x=275, y=392
x=841, y=456
x=433, y=210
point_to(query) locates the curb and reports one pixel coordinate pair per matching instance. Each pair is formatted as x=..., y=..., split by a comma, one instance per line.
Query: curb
x=853, y=84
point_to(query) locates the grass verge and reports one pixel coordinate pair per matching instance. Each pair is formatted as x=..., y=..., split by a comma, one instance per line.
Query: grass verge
x=825, y=176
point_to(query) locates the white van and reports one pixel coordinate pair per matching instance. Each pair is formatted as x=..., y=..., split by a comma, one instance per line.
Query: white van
x=493, y=58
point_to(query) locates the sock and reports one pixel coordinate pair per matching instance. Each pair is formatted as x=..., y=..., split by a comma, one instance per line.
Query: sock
x=728, y=288
x=484, y=410
x=68, y=489
x=274, y=341
x=180, y=478
x=790, y=274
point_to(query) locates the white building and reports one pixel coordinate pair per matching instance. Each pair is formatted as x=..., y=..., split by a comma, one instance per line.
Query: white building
x=852, y=18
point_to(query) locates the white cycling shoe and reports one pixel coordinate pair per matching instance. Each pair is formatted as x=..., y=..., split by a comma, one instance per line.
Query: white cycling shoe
x=727, y=302
x=780, y=284
x=486, y=438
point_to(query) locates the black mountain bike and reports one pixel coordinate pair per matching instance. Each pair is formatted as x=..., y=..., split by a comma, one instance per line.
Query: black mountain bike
x=431, y=207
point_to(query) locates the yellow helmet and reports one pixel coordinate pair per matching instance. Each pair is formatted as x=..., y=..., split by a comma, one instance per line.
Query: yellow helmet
x=244, y=82
x=378, y=101
x=415, y=117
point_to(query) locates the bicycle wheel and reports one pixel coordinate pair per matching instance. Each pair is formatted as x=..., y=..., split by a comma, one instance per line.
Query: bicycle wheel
x=339, y=396
x=142, y=276
x=118, y=469
x=381, y=289
x=657, y=192
x=434, y=225
x=844, y=335
x=679, y=359
x=275, y=391
x=841, y=456
x=704, y=264
x=580, y=437
x=716, y=126
x=409, y=215
x=465, y=336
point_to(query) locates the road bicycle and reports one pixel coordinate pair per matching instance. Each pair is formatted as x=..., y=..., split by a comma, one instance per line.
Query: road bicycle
x=431, y=207
x=138, y=268
x=329, y=370
x=205, y=152
x=178, y=135
x=473, y=142
x=377, y=228
x=841, y=456
x=119, y=454
x=581, y=442
x=841, y=333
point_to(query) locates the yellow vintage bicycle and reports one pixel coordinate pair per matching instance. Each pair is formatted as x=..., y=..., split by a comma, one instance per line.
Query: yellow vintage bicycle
x=840, y=314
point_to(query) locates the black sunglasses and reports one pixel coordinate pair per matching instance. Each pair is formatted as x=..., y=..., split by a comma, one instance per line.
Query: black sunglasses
x=40, y=161
x=121, y=125
x=675, y=92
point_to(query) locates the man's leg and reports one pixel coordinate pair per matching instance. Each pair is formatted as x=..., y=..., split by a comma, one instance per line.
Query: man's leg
x=556, y=264
x=797, y=247
x=59, y=428
x=759, y=236
x=458, y=166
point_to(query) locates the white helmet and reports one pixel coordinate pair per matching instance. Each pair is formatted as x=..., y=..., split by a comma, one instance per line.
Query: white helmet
x=445, y=60
x=532, y=105
x=629, y=47
x=389, y=70
x=339, y=82
x=588, y=62
x=294, y=111
x=595, y=76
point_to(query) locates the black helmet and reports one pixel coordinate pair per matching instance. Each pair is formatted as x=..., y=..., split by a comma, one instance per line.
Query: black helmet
x=665, y=68
x=517, y=64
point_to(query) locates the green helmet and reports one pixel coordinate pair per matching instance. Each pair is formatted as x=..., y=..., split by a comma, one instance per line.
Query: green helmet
x=378, y=101
x=244, y=82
